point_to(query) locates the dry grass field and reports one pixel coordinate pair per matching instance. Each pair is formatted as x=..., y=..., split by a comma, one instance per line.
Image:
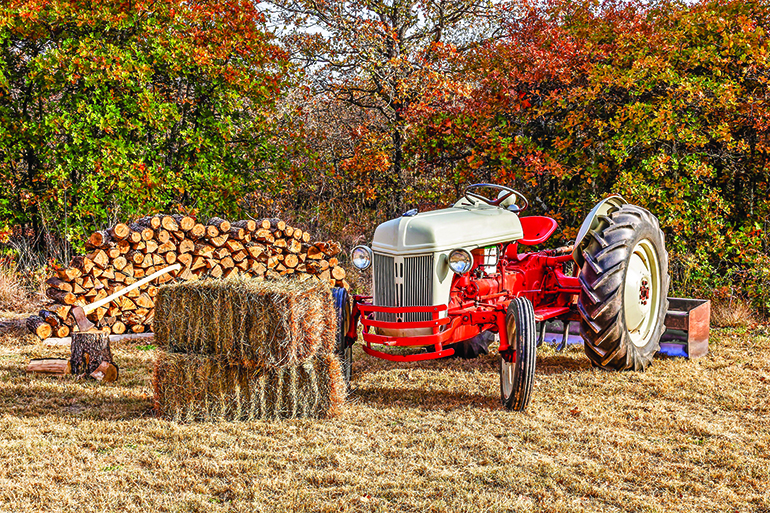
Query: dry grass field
x=683, y=436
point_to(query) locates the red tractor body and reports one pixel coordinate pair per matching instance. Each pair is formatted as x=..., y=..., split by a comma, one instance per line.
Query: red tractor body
x=479, y=304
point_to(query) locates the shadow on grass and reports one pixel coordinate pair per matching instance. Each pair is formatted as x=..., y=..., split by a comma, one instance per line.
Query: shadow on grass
x=366, y=369
x=33, y=395
x=547, y=364
x=417, y=398
x=559, y=364
x=40, y=397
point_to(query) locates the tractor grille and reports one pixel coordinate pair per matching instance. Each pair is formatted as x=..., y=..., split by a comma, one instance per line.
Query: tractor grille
x=384, y=275
x=404, y=281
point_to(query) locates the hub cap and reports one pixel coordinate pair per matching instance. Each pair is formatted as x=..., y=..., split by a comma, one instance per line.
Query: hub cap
x=640, y=292
x=507, y=367
x=506, y=376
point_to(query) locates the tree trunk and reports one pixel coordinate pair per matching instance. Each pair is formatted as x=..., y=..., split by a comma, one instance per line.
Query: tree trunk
x=398, y=158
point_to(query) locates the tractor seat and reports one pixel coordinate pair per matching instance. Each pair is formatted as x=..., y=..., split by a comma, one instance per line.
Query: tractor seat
x=536, y=229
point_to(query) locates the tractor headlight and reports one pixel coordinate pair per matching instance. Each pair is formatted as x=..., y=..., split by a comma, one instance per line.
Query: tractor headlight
x=361, y=257
x=460, y=261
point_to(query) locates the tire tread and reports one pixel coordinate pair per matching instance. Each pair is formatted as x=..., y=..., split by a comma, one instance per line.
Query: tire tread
x=600, y=303
x=526, y=355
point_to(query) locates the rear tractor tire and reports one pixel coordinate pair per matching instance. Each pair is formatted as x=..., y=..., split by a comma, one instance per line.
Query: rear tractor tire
x=517, y=366
x=624, y=289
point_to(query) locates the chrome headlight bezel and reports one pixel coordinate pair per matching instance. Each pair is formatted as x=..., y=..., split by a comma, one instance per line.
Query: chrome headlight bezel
x=460, y=261
x=361, y=255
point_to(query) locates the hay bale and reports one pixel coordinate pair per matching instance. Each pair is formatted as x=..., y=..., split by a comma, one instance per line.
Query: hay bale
x=289, y=393
x=193, y=387
x=242, y=349
x=258, y=323
x=331, y=385
x=307, y=390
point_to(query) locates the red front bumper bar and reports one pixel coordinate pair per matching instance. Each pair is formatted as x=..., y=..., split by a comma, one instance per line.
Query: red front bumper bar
x=456, y=326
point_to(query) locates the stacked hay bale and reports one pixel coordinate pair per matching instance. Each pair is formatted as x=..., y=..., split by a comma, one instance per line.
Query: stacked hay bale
x=243, y=349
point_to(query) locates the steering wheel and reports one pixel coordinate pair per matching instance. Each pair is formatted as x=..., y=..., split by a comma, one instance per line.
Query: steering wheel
x=472, y=196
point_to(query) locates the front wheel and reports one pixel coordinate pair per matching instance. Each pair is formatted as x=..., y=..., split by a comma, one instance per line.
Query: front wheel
x=517, y=366
x=344, y=349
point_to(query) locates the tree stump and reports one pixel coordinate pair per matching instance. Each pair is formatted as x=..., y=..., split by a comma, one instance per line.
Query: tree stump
x=89, y=350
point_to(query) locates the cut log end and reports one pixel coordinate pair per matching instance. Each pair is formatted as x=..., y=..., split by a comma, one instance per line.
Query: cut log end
x=37, y=326
x=338, y=273
x=106, y=372
x=119, y=232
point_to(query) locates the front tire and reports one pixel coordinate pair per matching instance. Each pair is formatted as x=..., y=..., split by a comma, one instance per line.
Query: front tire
x=624, y=289
x=517, y=366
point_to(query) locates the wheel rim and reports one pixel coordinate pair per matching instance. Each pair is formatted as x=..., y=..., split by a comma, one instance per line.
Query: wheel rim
x=507, y=367
x=640, y=292
x=506, y=377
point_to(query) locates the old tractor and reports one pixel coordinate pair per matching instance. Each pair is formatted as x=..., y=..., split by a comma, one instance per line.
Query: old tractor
x=443, y=277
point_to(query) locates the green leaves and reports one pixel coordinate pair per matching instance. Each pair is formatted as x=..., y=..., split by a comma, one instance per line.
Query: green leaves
x=134, y=107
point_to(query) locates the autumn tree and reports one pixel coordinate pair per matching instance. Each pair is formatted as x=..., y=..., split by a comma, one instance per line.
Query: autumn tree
x=133, y=107
x=666, y=103
x=378, y=57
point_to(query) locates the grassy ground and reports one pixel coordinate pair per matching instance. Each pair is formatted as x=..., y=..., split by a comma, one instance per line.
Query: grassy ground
x=683, y=436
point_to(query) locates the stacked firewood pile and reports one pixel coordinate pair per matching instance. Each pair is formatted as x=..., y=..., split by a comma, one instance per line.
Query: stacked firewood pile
x=126, y=253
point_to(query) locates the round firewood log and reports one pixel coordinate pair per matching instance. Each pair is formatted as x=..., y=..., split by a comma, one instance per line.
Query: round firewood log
x=338, y=273
x=221, y=224
x=198, y=231
x=61, y=296
x=247, y=224
x=37, y=326
x=99, y=239
x=186, y=223
x=119, y=232
x=152, y=222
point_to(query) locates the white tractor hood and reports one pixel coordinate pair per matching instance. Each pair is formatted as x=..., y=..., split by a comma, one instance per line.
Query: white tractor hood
x=466, y=226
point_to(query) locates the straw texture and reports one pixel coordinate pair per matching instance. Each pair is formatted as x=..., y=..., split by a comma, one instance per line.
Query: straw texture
x=243, y=349
x=262, y=323
x=190, y=387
